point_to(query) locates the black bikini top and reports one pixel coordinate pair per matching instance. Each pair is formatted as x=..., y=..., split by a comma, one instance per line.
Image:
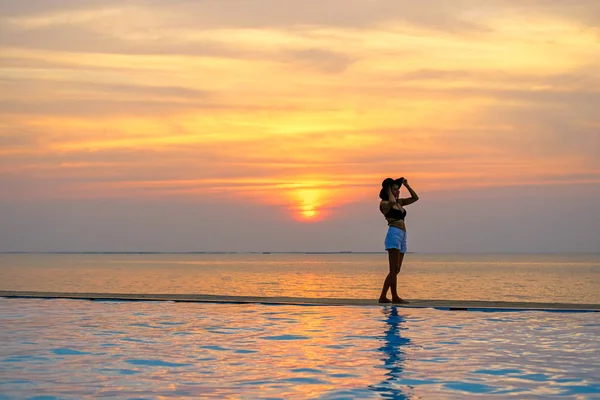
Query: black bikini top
x=395, y=214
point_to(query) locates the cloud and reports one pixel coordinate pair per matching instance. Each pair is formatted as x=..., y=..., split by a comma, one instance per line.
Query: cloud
x=460, y=16
x=81, y=39
x=17, y=137
x=96, y=108
x=320, y=60
x=586, y=12
x=41, y=85
x=584, y=77
x=35, y=7
x=563, y=133
x=268, y=13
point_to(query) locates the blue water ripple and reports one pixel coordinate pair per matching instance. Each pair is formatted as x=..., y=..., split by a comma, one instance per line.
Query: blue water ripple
x=157, y=363
x=286, y=337
x=568, y=380
x=307, y=370
x=43, y=398
x=17, y=381
x=256, y=383
x=581, y=389
x=344, y=394
x=435, y=360
x=304, y=380
x=535, y=377
x=217, y=348
x=498, y=372
x=145, y=326
x=470, y=387
x=64, y=351
x=416, y=382
x=343, y=375
x=24, y=358
x=120, y=371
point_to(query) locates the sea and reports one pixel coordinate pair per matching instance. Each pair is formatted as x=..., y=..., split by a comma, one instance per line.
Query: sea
x=552, y=278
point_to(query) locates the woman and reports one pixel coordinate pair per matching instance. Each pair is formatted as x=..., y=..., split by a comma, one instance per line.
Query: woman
x=392, y=207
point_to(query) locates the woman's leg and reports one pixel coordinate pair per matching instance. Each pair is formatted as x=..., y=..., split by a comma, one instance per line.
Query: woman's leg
x=400, y=259
x=397, y=299
x=390, y=279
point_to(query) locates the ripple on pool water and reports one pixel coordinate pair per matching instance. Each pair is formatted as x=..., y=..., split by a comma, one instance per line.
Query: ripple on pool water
x=75, y=349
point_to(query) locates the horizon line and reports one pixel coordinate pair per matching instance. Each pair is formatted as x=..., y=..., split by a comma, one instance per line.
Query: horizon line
x=291, y=252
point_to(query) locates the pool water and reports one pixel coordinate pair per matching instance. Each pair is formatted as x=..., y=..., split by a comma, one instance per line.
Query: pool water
x=71, y=349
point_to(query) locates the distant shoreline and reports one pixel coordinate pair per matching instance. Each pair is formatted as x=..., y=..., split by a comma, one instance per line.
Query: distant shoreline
x=279, y=252
x=192, y=252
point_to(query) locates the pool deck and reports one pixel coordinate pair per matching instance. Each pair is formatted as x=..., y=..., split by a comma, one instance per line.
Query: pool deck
x=451, y=305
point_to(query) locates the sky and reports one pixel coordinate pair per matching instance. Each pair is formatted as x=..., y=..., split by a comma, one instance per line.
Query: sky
x=267, y=125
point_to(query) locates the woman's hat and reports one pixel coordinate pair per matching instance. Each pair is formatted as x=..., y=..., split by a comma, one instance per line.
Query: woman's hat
x=387, y=182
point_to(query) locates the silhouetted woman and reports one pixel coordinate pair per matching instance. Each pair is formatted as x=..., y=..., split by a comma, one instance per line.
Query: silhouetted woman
x=392, y=207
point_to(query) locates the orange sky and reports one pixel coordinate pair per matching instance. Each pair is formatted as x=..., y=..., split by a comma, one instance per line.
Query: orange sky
x=105, y=99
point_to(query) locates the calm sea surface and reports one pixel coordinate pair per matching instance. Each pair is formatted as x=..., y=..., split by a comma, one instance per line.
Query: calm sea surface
x=568, y=278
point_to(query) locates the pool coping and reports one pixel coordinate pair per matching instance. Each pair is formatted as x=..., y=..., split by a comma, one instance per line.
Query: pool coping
x=447, y=305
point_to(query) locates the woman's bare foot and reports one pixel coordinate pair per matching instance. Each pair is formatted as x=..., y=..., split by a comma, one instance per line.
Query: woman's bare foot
x=384, y=300
x=398, y=300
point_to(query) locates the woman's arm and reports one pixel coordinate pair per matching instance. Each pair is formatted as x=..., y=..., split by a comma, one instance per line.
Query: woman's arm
x=391, y=197
x=413, y=195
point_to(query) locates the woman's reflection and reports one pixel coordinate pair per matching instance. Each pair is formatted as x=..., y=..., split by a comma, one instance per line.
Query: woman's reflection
x=393, y=356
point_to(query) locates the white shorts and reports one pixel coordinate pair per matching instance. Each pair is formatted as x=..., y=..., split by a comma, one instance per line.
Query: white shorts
x=395, y=239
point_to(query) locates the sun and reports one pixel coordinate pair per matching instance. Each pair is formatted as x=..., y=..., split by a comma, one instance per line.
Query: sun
x=309, y=212
x=309, y=204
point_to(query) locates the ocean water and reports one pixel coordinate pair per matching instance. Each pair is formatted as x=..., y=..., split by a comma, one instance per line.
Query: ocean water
x=565, y=278
x=74, y=349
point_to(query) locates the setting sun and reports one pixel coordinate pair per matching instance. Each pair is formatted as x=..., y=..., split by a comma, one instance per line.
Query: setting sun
x=309, y=203
x=309, y=211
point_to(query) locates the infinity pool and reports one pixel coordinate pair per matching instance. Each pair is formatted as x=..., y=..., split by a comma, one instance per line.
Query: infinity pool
x=70, y=349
